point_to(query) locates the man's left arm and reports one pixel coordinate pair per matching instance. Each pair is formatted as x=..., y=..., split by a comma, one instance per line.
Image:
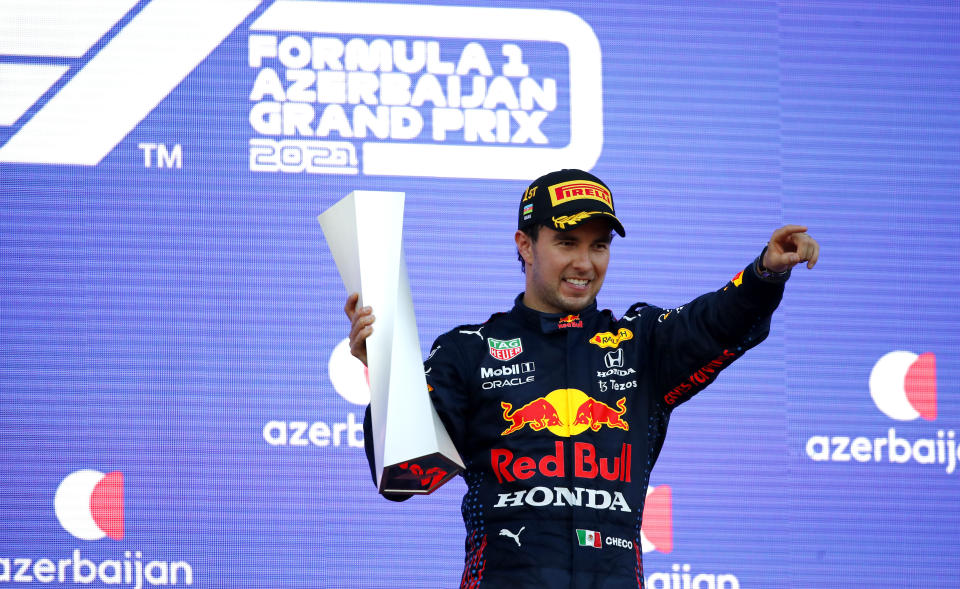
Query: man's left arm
x=693, y=343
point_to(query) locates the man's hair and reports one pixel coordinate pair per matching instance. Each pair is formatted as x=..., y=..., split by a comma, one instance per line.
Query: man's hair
x=532, y=231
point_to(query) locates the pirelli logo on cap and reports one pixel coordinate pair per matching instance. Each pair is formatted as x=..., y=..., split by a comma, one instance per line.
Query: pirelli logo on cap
x=577, y=189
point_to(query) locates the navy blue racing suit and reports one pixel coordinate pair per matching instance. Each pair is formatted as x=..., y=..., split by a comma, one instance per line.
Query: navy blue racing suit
x=559, y=419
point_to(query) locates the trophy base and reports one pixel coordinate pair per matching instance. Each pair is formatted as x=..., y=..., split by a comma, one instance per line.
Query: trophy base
x=422, y=475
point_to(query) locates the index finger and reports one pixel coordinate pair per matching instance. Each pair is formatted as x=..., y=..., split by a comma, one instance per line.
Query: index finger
x=786, y=231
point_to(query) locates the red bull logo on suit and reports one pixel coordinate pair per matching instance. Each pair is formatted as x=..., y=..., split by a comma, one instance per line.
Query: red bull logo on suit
x=565, y=412
x=569, y=321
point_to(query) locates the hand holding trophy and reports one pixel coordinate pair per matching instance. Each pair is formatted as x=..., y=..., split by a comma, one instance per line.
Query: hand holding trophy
x=413, y=452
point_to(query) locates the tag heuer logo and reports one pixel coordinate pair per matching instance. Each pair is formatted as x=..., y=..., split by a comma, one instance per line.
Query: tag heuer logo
x=505, y=349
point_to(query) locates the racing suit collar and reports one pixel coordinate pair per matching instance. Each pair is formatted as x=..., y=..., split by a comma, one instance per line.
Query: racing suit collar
x=551, y=322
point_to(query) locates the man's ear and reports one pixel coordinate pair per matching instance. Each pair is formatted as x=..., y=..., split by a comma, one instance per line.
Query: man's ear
x=524, y=246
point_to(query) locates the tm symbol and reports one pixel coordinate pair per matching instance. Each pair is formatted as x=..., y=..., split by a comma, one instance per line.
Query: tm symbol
x=163, y=156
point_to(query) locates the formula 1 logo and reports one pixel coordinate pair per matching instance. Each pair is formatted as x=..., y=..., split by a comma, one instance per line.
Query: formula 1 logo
x=339, y=87
x=656, y=532
x=422, y=90
x=904, y=385
x=89, y=504
x=97, y=68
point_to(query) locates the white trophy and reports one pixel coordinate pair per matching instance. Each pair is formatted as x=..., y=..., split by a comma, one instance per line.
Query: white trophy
x=414, y=453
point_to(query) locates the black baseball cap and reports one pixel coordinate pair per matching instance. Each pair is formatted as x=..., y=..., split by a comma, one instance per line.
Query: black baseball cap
x=563, y=199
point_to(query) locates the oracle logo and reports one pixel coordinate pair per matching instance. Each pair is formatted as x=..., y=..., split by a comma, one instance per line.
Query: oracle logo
x=89, y=504
x=656, y=532
x=904, y=385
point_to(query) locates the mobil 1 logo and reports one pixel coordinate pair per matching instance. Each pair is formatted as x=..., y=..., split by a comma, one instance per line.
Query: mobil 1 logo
x=507, y=376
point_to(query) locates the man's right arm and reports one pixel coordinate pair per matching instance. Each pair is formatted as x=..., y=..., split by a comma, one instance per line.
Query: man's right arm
x=693, y=343
x=361, y=326
x=447, y=391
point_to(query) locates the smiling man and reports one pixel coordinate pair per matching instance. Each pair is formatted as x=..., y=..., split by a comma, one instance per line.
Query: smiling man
x=560, y=409
x=566, y=267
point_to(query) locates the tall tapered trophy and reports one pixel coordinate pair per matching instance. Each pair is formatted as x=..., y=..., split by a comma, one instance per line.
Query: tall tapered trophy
x=414, y=453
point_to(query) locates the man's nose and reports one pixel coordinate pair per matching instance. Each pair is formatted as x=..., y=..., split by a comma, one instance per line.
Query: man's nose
x=581, y=260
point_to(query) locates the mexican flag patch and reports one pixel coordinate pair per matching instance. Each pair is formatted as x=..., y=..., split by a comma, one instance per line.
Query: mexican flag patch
x=589, y=538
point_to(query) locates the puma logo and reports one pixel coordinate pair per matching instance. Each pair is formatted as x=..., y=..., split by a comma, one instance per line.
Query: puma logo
x=516, y=537
x=476, y=333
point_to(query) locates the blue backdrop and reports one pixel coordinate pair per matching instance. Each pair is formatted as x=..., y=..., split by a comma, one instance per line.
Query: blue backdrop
x=170, y=312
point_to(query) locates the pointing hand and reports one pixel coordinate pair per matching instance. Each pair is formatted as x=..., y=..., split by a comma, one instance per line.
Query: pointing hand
x=788, y=246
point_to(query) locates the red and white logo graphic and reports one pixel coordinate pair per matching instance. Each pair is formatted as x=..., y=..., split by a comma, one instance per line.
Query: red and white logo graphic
x=89, y=504
x=351, y=381
x=656, y=533
x=904, y=385
x=348, y=375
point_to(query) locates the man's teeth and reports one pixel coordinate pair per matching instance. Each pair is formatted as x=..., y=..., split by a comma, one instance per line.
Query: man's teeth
x=577, y=281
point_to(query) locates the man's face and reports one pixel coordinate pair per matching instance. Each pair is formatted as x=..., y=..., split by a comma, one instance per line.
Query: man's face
x=565, y=269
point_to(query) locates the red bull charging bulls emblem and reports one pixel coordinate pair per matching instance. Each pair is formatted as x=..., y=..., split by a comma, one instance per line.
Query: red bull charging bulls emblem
x=565, y=412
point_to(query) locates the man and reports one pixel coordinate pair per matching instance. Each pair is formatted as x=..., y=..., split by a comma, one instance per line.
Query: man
x=559, y=410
